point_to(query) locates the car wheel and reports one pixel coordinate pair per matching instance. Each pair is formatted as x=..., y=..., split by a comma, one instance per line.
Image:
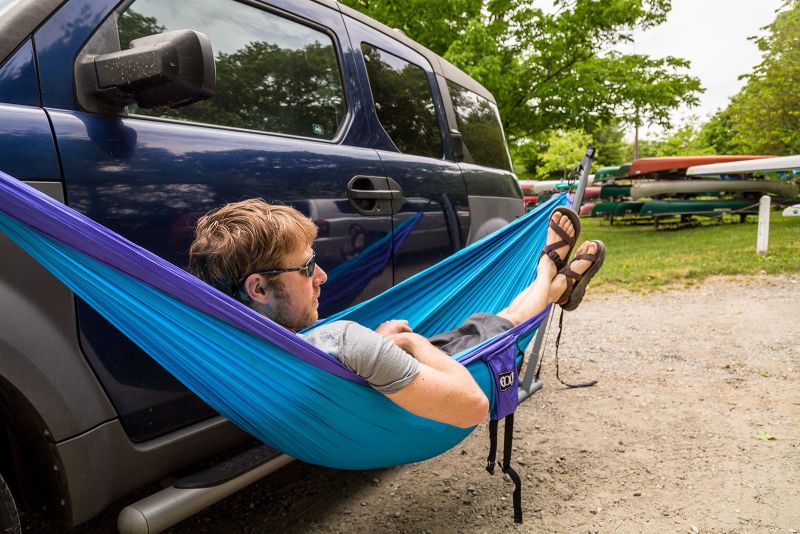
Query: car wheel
x=9, y=517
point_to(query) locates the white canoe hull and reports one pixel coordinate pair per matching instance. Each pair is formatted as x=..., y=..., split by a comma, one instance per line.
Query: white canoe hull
x=666, y=187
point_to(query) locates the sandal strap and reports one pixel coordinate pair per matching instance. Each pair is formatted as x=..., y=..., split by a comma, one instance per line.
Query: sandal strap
x=567, y=294
x=561, y=232
x=552, y=247
x=572, y=275
x=591, y=257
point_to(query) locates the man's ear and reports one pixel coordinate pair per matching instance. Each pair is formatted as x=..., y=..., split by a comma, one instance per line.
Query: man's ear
x=256, y=288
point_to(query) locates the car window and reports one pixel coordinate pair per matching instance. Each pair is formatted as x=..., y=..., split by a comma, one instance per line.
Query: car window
x=403, y=102
x=273, y=74
x=479, y=123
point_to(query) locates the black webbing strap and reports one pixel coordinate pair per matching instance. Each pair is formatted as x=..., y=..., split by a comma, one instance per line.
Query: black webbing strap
x=492, y=447
x=558, y=342
x=505, y=466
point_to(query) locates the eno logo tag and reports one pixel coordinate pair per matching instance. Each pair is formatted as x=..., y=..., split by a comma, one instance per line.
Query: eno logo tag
x=506, y=380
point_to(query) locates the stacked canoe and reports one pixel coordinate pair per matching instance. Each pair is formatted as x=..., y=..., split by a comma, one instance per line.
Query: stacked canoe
x=661, y=189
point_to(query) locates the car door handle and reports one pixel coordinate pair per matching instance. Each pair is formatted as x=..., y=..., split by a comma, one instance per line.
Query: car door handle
x=369, y=196
x=375, y=194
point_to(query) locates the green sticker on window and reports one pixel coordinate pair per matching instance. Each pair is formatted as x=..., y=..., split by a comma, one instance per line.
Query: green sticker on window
x=318, y=129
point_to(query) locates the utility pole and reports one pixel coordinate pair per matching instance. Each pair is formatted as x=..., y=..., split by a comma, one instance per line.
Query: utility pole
x=636, y=135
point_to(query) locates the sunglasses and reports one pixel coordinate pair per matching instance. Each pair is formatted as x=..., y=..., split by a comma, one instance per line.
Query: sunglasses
x=307, y=269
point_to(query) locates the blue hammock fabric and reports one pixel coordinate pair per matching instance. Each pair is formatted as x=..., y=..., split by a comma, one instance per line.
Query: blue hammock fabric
x=266, y=379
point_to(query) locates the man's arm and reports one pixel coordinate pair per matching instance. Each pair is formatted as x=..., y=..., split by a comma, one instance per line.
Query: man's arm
x=443, y=390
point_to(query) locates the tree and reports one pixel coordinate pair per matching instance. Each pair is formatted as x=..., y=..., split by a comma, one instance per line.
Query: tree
x=609, y=140
x=564, y=151
x=717, y=133
x=764, y=117
x=550, y=70
x=685, y=140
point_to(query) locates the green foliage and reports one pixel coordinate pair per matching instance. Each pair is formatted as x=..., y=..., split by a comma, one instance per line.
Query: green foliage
x=550, y=70
x=764, y=117
x=648, y=148
x=609, y=140
x=686, y=140
x=434, y=24
x=717, y=134
x=564, y=151
x=527, y=156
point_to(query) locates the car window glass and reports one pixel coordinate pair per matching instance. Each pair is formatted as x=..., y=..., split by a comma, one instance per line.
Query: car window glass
x=403, y=103
x=273, y=74
x=479, y=123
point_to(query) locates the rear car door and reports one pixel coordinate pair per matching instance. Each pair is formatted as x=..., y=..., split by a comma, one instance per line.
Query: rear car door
x=410, y=134
x=286, y=123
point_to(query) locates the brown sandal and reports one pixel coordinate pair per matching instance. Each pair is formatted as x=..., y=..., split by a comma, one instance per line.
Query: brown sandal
x=576, y=283
x=550, y=250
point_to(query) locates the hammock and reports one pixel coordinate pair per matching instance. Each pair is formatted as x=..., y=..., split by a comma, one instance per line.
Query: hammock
x=264, y=378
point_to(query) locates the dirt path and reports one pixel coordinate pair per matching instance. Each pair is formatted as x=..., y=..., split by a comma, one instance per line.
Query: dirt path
x=667, y=441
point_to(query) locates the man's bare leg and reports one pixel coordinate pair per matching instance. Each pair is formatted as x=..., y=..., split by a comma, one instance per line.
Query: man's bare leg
x=534, y=298
x=548, y=288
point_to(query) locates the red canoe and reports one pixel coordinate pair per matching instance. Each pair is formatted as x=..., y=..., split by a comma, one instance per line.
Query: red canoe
x=677, y=163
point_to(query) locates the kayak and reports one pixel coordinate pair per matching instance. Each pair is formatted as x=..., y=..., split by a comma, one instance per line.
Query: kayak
x=785, y=163
x=677, y=187
x=663, y=208
x=612, y=191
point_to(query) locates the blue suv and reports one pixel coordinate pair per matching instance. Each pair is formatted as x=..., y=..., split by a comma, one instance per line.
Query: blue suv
x=145, y=114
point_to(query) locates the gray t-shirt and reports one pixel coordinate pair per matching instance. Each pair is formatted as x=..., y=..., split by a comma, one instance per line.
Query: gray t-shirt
x=386, y=367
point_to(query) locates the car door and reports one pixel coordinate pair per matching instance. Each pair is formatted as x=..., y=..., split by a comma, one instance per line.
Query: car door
x=410, y=134
x=286, y=123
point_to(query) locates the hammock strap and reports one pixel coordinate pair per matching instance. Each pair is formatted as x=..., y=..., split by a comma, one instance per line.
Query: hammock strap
x=505, y=466
x=558, y=342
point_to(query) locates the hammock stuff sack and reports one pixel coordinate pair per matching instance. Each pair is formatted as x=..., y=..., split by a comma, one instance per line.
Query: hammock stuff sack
x=266, y=379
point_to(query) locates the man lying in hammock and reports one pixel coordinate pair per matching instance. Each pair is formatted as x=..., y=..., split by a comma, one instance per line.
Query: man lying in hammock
x=262, y=255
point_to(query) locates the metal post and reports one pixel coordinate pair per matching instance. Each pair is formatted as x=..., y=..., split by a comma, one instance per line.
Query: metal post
x=527, y=386
x=762, y=242
x=583, y=169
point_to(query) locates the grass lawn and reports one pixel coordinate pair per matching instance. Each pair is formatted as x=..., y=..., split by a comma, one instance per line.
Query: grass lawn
x=639, y=258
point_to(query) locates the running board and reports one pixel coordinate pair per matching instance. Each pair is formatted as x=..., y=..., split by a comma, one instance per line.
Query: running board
x=197, y=492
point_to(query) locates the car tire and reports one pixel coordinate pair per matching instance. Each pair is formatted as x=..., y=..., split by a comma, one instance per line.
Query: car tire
x=9, y=517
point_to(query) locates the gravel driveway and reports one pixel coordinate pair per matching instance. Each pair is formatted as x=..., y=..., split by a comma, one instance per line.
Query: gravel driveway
x=694, y=426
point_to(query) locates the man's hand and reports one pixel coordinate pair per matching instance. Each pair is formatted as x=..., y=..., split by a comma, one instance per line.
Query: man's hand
x=395, y=326
x=407, y=341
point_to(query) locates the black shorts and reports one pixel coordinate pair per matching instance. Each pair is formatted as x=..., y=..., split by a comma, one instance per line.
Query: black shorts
x=477, y=328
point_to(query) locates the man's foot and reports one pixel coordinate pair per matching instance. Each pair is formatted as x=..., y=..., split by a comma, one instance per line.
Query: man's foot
x=562, y=233
x=567, y=288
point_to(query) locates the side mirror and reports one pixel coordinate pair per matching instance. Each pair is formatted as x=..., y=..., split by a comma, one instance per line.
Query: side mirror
x=164, y=71
x=458, y=145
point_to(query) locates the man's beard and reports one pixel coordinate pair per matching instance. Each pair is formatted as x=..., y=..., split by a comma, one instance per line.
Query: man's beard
x=283, y=314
